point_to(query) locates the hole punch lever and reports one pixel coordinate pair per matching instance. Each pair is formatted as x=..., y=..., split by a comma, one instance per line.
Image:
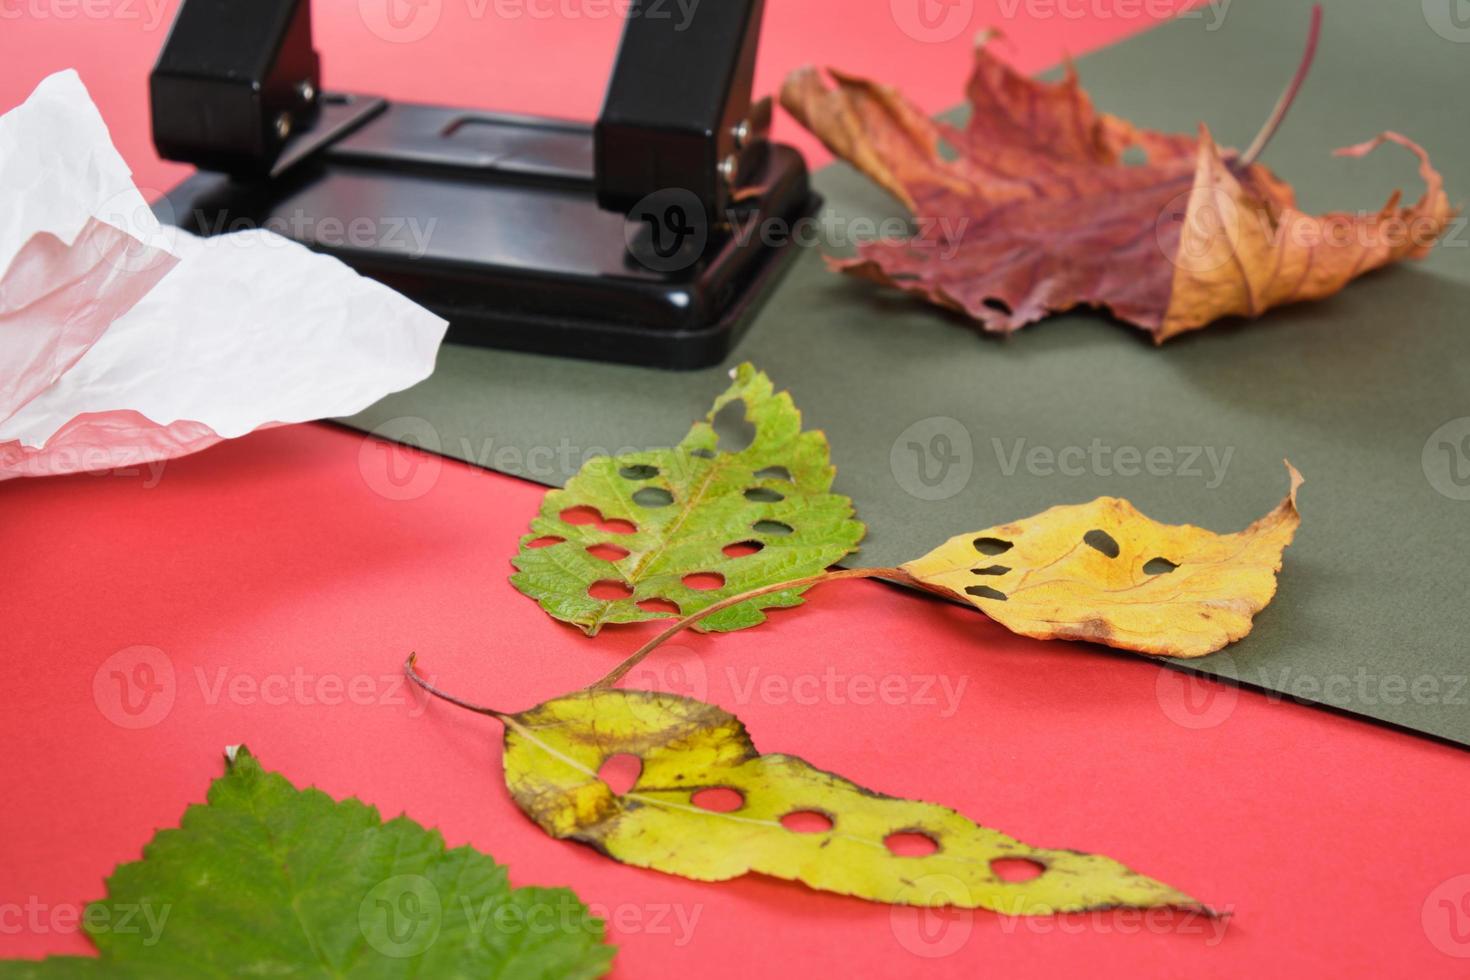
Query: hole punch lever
x=613, y=241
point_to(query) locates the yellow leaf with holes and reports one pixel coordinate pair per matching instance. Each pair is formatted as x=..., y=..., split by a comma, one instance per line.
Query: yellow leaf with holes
x=781, y=816
x=1103, y=572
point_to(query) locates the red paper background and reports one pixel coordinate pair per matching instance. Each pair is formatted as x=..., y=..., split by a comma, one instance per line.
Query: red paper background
x=1339, y=846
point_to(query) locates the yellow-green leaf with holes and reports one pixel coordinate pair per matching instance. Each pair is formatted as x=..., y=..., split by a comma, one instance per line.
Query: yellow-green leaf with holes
x=1104, y=572
x=652, y=534
x=790, y=819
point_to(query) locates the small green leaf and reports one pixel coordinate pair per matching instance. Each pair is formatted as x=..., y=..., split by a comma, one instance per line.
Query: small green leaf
x=271, y=881
x=688, y=526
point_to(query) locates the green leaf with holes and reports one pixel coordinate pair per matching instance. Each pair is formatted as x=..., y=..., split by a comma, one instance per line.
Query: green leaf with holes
x=271, y=881
x=654, y=534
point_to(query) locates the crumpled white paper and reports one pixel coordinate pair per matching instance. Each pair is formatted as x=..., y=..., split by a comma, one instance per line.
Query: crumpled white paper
x=122, y=342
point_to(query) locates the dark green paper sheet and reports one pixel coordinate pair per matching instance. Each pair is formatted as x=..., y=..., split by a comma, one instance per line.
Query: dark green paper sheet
x=1373, y=611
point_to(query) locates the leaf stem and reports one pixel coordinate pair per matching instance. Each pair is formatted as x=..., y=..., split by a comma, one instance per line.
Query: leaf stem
x=1283, y=104
x=413, y=675
x=637, y=656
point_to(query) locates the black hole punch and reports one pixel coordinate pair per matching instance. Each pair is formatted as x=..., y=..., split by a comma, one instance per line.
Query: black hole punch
x=1158, y=566
x=653, y=497
x=772, y=527
x=638, y=471
x=992, y=546
x=733, y=430
x=985, y=592
x=991, y=570
x=763, y=495
x=1101, y=541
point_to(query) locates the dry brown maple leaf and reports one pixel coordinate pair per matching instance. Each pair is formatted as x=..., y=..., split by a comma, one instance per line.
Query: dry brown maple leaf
x=1039, y=211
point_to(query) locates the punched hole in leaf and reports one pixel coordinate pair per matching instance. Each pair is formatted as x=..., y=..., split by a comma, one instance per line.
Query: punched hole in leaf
x=991, y=570
x=609, y=590
x=741, y=549
x=653, y=497
x=764, y=495
x=545, y=541
x=607, y=552
x=1134, y=156
x=1016, y=869
x=1158, y=566
x=772, y=527
x=718, y=799
x=992, y=546
x=620, y=772
x=703, y=453
x=910, y=843
x=985, y=592
x=704, y=581
x=582, y=514
x=775, y=473
x=807, y=822
x=659, y=605
x=733, y=430
x=1102, y=541
x=638, y=471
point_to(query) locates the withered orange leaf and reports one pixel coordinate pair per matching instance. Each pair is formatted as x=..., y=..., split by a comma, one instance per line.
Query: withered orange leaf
x=1104, y=572
x=1042, y=208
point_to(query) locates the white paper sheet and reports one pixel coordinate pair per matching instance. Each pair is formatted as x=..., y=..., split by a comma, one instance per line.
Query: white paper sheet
x=123, y=343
